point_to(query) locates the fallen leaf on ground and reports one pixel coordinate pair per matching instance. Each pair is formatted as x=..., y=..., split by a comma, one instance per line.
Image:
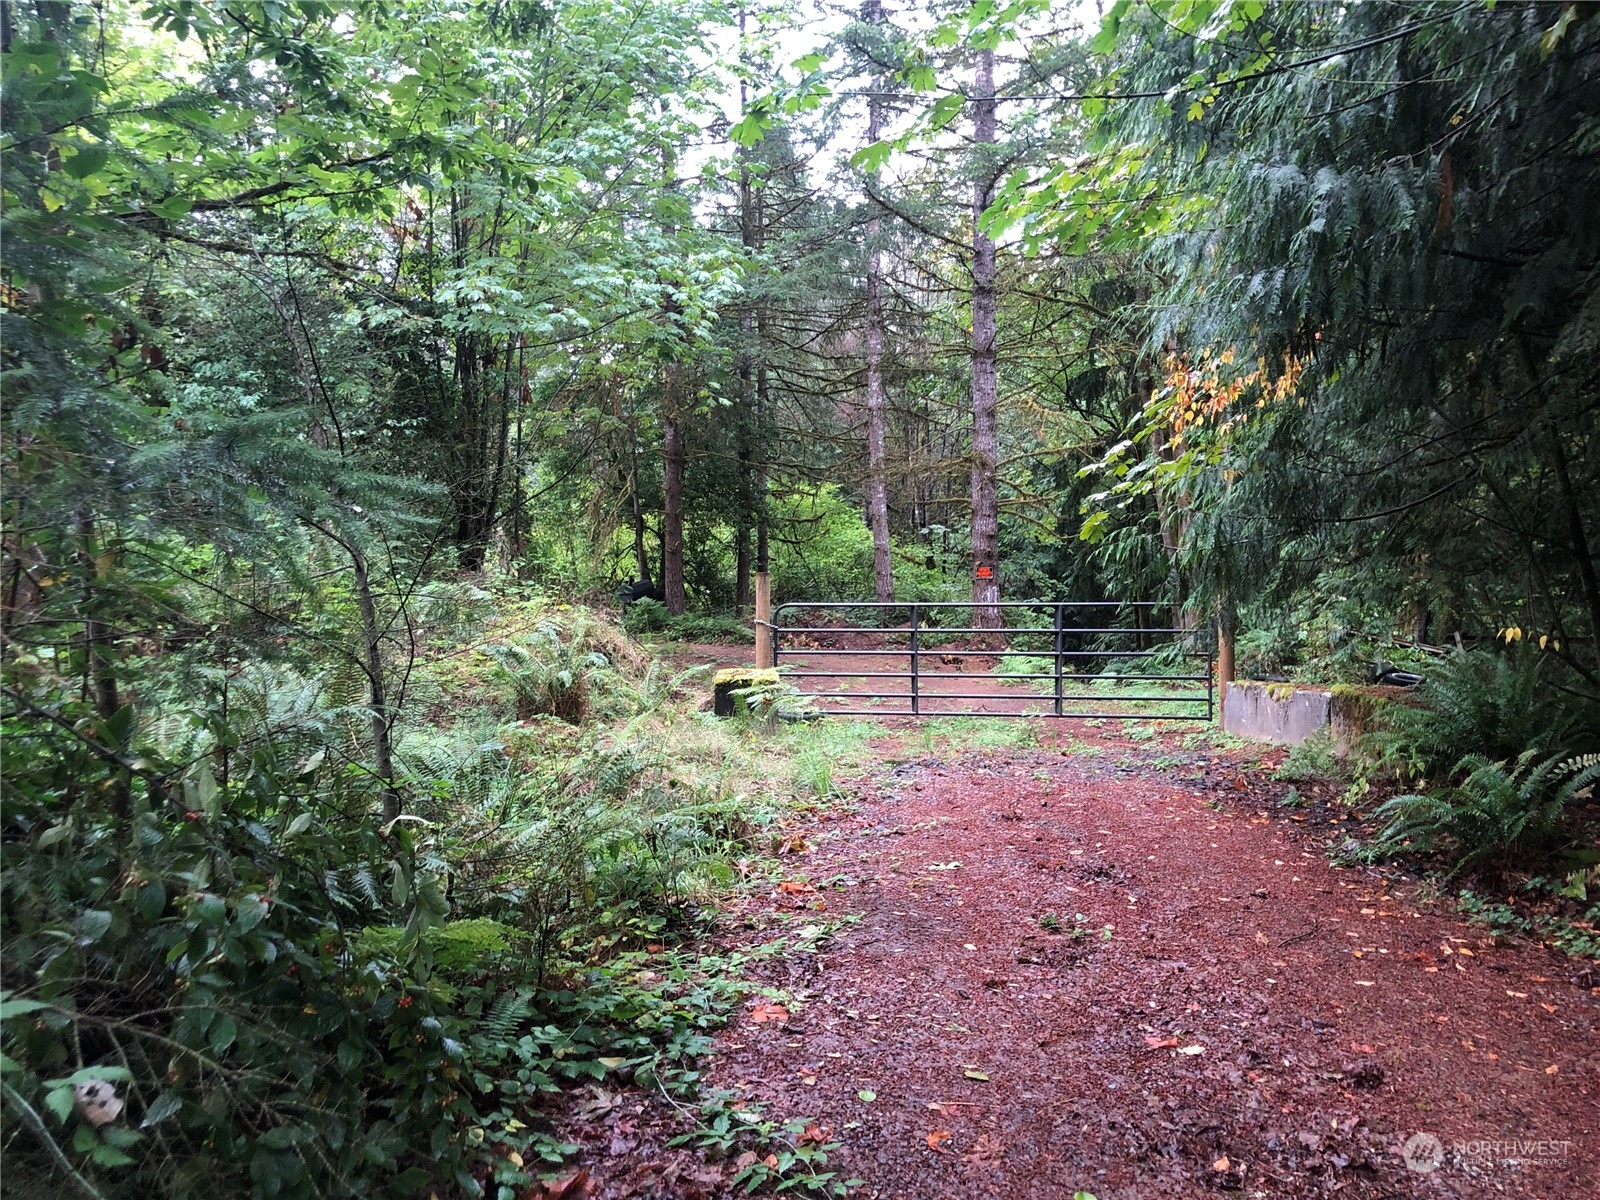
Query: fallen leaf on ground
x=938, y=1138
x=795, y=887
x=1222, y=1164
x=762, y=1013
x=1160, y=1043
x=573, y=1187
x=1192, y=1050
x=978, y=1075
x=986, y=1149
x=865, y=1096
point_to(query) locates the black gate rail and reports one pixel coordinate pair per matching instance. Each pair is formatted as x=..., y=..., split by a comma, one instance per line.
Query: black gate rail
x=1059, y=632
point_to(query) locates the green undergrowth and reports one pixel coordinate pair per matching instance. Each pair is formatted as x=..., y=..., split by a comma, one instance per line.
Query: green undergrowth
x=1490, y=769
x=287, y=996
x=1313, y=761
x=768, y=1154
x=1573, y=929
x=650, y=619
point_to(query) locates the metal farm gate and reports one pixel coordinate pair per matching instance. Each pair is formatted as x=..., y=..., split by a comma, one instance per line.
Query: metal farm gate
x=1068, y=658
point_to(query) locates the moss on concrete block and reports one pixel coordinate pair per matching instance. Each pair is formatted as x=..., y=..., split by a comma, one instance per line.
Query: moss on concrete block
x=737, y=679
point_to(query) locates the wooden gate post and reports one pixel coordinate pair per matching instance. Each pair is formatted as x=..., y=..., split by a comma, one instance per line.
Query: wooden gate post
x=764, y=631
x=1224, y=657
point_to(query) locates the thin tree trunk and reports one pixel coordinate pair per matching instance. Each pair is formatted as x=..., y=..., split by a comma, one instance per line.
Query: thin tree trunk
x=381, y=719
x=1582, y=555
x=762, y=401
x=985, y=385
x=98, y=662
x=672, y=451
x=97, y=655
x=640, y=558
x=746, y=419
x=747, y=324
x=876, y=489
x=877, y=495
x=377, y=687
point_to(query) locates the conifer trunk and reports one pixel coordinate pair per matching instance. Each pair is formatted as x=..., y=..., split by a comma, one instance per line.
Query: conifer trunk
x=747, y=324
x=985, y=385
x=377, y=686
x=672, y=451
x=875, y=486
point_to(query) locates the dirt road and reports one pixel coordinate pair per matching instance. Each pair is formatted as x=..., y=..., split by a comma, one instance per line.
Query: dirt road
x=1125, y=970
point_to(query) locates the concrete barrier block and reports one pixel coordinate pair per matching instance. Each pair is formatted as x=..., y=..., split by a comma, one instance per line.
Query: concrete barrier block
x=1274, y=712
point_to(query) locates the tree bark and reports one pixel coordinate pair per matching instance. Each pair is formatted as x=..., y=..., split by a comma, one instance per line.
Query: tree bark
x=1227, y=633
x=100, y=671
x=377, y=687
x=985, y=385
x=380, y=718
x=640, y=558
x=762, y=403
x=875, y=485
x=877, y=494
x=1582, y=555
x=672, y=451
x=747, y=324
